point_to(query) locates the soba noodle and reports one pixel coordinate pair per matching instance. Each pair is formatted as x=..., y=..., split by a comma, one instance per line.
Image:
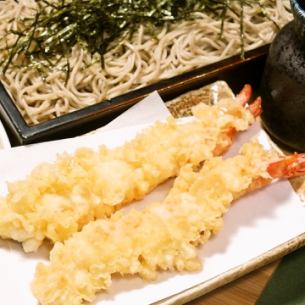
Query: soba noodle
x=132, y=64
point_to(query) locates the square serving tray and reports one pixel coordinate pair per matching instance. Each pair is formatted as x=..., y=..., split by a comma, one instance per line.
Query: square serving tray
x=235, y=70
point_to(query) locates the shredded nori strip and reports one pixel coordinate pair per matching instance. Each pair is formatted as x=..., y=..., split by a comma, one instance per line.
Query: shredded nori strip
x=98, y=25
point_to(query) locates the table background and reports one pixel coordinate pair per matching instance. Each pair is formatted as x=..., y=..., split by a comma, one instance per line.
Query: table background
x=279, y=283
x=244, y=291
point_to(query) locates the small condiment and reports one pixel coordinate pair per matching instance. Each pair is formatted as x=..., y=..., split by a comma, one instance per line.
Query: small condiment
x=283, y=83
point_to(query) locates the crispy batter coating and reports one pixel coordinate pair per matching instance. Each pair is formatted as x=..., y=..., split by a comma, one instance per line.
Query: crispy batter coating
x=163, y=236
x=57, y=200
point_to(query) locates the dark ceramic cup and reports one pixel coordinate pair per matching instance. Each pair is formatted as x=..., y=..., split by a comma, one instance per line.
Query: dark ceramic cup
x=283, y=83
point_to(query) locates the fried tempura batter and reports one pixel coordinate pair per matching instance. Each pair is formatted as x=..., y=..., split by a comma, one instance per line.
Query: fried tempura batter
x=56, y=200
x=164, y=236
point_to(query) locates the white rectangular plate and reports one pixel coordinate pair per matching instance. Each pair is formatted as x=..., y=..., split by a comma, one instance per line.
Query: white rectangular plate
x=254, y=225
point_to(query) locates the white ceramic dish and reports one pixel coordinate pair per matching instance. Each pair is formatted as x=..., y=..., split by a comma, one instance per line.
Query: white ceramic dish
x=255, y=225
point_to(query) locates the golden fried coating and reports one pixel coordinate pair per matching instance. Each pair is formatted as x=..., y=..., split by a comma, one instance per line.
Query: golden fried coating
x=163, y=236
x=58, y=199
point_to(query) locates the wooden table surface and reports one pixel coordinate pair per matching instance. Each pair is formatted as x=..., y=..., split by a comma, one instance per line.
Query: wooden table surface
x=244, y=291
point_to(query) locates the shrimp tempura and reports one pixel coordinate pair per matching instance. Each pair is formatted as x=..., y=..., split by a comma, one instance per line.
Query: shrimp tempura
x=57, y=200
x=164, y=236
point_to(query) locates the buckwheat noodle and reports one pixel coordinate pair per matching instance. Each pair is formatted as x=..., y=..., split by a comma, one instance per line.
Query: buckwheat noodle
x=144, y=60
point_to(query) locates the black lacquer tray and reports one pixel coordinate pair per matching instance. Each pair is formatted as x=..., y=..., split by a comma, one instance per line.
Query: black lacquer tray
x=234, y=70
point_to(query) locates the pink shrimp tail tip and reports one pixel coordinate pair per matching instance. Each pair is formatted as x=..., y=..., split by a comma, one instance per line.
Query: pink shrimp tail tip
x=245, y=94
x=288, y=167
x=256, y=107
x=244, y=98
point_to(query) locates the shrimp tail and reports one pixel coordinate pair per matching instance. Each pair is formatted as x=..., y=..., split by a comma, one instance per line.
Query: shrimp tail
x=288, y=167
x=245, y=94
x=256, y=107
x=244, y=97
